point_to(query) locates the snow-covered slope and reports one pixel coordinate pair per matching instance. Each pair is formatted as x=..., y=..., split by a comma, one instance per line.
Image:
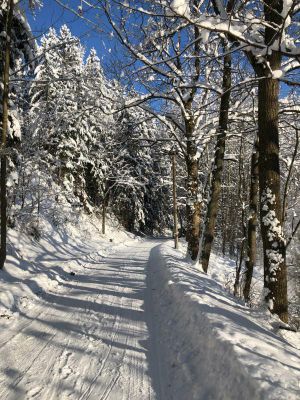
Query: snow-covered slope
x=213, y=346
x=34, y=267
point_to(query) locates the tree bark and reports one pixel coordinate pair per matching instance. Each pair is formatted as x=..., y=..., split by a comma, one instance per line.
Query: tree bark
x=193, y=205
x=275, y=274
x=252, y=223
x=104, y=215
x=275, y=271
x=175, y=215
x=213, y=204
x=287, y=182
x=5, y=100
x=241, y=190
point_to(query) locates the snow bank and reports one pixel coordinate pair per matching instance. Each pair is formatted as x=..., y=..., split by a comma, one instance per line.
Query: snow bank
x=34, y=268
x=212, y=346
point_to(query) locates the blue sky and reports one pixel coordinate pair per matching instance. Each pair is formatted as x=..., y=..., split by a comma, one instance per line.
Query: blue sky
x=53, y=15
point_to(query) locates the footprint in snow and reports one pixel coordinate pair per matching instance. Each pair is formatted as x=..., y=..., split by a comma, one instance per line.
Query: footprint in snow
x=66, y=371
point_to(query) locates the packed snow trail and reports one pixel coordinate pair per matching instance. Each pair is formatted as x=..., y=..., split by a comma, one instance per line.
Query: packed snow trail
x=135, y=321
x=90, y=341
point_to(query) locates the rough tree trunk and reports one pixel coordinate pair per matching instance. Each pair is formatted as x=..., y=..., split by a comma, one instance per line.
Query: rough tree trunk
x=5, y=99
x=175, y=208
x=252, y=223
x=241, y=191
x=193, y=205
x=212, y=207
x=275, y=272
x=104, y=205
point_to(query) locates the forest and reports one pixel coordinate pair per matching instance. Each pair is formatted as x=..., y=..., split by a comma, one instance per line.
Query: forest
x=129, y=121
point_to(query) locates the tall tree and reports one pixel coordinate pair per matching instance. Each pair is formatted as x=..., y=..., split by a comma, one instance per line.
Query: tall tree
x=252, y=223
x=5, y=99
x=171, y=72
x=275, y=271
x=265, y=42
x=217, y=169
x=16, y=43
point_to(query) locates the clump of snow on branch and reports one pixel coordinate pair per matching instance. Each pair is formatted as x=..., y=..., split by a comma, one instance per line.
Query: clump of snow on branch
x=181, y=7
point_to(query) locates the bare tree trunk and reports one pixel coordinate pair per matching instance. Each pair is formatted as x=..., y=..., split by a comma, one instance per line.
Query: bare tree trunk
x=5, y=99
x=275, y=274
x=223, y=223
x=175, y=216
x=103, y=216
x=287, y=182
x=241, y=190
x=275, y=271
x=193, y=205
x=180, y=217
x=213, y=204
x=252, y=223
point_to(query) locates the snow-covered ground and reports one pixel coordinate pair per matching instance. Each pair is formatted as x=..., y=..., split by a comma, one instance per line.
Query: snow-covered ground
x=36, y=267
x=79, y=336
x=216, y=347
x=87, y=316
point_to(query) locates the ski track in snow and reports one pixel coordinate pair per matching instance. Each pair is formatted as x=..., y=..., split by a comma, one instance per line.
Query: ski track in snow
x=138, y=324
x=88, y=341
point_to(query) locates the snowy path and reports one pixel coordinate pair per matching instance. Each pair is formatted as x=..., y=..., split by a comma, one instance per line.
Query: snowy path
x=89, y=341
